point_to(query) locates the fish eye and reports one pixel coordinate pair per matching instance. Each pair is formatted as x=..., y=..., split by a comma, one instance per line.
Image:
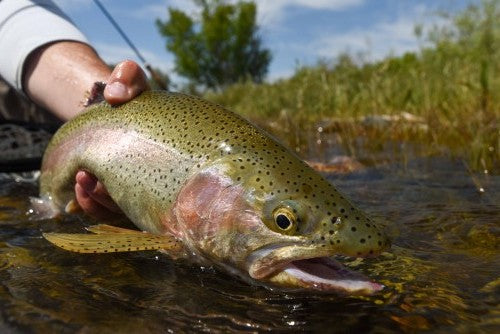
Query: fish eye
x=284, y=220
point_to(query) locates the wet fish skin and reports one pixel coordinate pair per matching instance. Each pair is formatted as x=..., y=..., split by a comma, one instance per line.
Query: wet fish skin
x=181, y=166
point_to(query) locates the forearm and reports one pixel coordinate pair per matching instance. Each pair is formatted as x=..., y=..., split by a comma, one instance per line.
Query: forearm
x=58, y=76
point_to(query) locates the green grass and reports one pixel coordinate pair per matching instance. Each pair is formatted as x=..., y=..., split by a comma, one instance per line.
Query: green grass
x=451, y=87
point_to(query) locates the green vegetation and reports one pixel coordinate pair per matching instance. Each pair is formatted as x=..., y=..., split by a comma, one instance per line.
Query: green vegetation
x=222, y=49
x=451, y=89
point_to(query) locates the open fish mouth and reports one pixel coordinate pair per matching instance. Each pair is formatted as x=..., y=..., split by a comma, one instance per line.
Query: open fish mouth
x=326, y=274
x=321, y=273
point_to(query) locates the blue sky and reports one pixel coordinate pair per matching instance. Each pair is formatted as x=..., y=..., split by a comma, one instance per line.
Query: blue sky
x=298, y=32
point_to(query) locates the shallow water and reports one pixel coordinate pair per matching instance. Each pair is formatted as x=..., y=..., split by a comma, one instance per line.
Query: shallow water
x=442, y=273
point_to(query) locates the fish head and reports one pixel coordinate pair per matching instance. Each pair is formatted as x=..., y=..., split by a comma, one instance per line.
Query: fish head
x=278, y=226
x=308, y=232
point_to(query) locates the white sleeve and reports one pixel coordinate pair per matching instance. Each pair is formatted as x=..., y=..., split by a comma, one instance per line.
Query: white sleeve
x=26, y=25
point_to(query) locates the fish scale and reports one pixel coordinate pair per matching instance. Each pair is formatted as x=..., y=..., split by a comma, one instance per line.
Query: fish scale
x=146, y=152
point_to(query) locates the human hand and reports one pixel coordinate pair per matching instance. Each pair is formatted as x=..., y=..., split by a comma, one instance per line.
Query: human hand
x=125, y=82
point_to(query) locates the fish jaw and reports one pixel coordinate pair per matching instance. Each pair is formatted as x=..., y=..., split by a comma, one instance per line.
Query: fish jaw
x=296, y=267
x=327, y=275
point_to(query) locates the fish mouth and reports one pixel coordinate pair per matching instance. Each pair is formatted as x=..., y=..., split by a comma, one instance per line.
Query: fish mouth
x=305, y=271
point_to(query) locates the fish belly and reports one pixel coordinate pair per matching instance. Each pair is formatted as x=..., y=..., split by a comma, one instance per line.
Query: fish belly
x=141, y=176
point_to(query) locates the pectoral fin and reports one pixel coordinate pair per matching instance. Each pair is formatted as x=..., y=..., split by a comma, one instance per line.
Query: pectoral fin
x=109, y=229
x=110, y=239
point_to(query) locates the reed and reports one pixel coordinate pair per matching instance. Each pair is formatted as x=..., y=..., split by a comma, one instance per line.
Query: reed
x=444, y=98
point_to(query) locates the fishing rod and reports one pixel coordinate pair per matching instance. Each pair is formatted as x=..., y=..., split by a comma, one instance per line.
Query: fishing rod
x=156, y=77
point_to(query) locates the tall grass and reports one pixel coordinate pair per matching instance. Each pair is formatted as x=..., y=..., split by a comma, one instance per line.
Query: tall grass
x=451, y=86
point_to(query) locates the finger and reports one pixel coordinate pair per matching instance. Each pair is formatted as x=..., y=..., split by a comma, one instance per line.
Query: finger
x=96, y=190
x=89, y=205
x=86, y=180
x=126, y=82
x=100, y=194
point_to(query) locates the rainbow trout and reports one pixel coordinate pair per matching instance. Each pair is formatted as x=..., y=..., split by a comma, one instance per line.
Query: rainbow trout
x=204, y=183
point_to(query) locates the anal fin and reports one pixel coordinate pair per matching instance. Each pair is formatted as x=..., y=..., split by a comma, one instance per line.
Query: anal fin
x=110, y=239
x=72, y=207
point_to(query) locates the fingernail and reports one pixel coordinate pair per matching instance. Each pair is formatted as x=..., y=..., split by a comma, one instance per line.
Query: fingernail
x=116, y=89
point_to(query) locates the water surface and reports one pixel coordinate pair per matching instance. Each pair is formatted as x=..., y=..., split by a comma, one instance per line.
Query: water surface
x=442, y=273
